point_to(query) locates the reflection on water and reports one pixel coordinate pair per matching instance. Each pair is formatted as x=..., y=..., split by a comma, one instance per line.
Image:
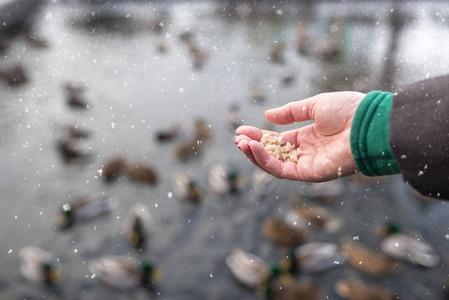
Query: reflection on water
x=148, y=84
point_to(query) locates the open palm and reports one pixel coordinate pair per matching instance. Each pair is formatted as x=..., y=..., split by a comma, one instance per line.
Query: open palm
x=325, y=144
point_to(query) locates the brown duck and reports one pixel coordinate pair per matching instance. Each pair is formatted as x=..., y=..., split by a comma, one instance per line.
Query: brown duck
x=355, y=289
x=369, y=261
x=284, y=234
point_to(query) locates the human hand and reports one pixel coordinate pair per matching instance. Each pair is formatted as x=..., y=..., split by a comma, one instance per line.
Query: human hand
x=325, y=144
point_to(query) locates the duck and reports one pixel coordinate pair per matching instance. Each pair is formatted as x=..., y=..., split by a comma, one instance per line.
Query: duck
x=161, y=48
x=284, y=234
x=73, y=131
x=287, y=77
x=187, y=36
x=185, y=188
x=32, y=38
x=137, y=226
x=123, y=272
x=4, y=42
x=169, y=134
x=187, y=149
x=70, y=150
x=248, y=269
x=14, y=75
x=356, y=289
x=75, y=96
x=312, y=214
x=368, y=260
x=198, y=55
x=223, y=180
x=263, y=183
x=277, y=52
x=38, y=265
x=203, y=132
x=113, y=168
x=234, y=117
x=312, y=257
x=304, y=289
x=330, y=50
x=141, y=172
x=84, y=208
x=157, y=25
x=405, y=246
x=257, y=93
x=302, y=39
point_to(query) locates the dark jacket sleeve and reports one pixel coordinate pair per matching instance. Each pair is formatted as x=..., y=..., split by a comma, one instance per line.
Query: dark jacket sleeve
x=419, y=135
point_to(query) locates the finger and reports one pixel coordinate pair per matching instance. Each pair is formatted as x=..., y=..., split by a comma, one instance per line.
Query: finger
x=243, y=146
x=239, y=138
x=292, y=112
x=253, y=132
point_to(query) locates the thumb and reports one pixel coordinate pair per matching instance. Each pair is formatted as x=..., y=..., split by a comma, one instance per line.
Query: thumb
x=292, y=112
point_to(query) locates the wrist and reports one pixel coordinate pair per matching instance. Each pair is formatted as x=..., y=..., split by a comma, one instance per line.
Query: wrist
x=370, y=135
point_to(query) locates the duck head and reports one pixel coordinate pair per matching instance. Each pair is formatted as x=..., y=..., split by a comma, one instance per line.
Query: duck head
x=387, y=229
x=150, y=273
x=65, y=218
x=288, y=264
x=136, y=236
x=277, y=275
x=51, y=275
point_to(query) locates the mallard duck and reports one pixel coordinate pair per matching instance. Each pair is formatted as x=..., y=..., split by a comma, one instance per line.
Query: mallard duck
x=257, y=93
x=302, y=39
x=284, y=234
x=187, y=149
x=223, y=180
x=263, y=183
x=203, y=131
x=405, y=246
x=234, y=117
x=141, y=172
x=137, y=226
x=185, y=188
x=355, y=289
x=198, y=55
x=170, y=133
x=73, y=131
x=84, y=208
x=368, y=260
x=32, y=38
x=312, y=257
x=330, y=50
x=248, y=269
x=75, y=96
x=312, y=214
x=162, y=47
x=70, y=150
x=277, y=52
x=304, y=289
x=14, y=75
x=123, y=272
x=112, y=169
x=37, y=265
x=287, y=77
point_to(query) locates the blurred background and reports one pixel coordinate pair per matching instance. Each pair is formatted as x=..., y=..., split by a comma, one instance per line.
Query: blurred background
x=129, y=98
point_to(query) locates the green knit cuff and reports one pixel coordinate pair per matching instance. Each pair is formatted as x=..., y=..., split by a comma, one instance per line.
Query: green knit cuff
x=370, y=135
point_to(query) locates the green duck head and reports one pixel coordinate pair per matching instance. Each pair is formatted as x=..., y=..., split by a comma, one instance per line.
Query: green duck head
x=65, y=217
x=51, y=275
x=387, y=229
